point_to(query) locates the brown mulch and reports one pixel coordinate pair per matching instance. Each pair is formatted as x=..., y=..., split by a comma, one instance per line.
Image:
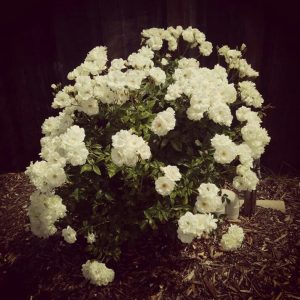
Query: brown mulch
x=265, y=267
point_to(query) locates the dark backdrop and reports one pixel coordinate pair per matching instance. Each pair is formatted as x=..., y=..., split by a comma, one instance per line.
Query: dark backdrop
x=41, y=41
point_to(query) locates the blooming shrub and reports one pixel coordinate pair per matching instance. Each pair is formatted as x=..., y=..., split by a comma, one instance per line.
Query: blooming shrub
x=147, y=142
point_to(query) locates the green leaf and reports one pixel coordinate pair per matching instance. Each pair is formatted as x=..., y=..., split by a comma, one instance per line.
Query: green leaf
x=145, y=115
x=112, y=169
x=172, y=198
x=151, y=103
x=85, y=168
x=96, y=169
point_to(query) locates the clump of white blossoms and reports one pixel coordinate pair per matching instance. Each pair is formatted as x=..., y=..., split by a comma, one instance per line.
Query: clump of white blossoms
x=164, y=122
x=209, y=199
x=164, y=185
x=97, y=273
x=44, y=210
x=145, y=142
x=232, y=240
x=127, y=148
x=225, y=149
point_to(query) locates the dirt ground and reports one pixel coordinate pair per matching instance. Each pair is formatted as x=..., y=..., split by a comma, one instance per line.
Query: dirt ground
x=267, y=266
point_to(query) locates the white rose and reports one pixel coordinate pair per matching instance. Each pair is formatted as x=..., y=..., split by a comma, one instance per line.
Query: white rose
x=90, y=107
x=144, y=151
x=117, y=64
x=220, y=113
x=225, y=154
x=164, y=186
x=206, y=48
x=185, y=237
x=164, y=122
x=188, y=35
x=155, y=43
x=208, y=204
x=158, y=75
x=164, y=62
x=171, y=172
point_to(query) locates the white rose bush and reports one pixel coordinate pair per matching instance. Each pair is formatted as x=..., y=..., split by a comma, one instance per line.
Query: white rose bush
x=147, y=143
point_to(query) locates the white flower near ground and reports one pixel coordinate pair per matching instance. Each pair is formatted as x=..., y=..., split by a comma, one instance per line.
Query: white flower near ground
x=171, y=172
x=69, y=235
x=191, y=226
x=97, y=273
x=164, y=122
x=210, y=223
x=185, y=237
x=233, y=239
x=44, y=210
x=91, y=238
x=164, y=186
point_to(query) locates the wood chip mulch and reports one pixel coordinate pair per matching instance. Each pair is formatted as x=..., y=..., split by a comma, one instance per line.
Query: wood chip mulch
x=265, y=267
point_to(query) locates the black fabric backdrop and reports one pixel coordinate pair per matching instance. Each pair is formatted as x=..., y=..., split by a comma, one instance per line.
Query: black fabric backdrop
x=41, y=41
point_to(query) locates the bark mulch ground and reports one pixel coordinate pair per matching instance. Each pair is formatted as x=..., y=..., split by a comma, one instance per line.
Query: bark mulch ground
x=265, y=267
